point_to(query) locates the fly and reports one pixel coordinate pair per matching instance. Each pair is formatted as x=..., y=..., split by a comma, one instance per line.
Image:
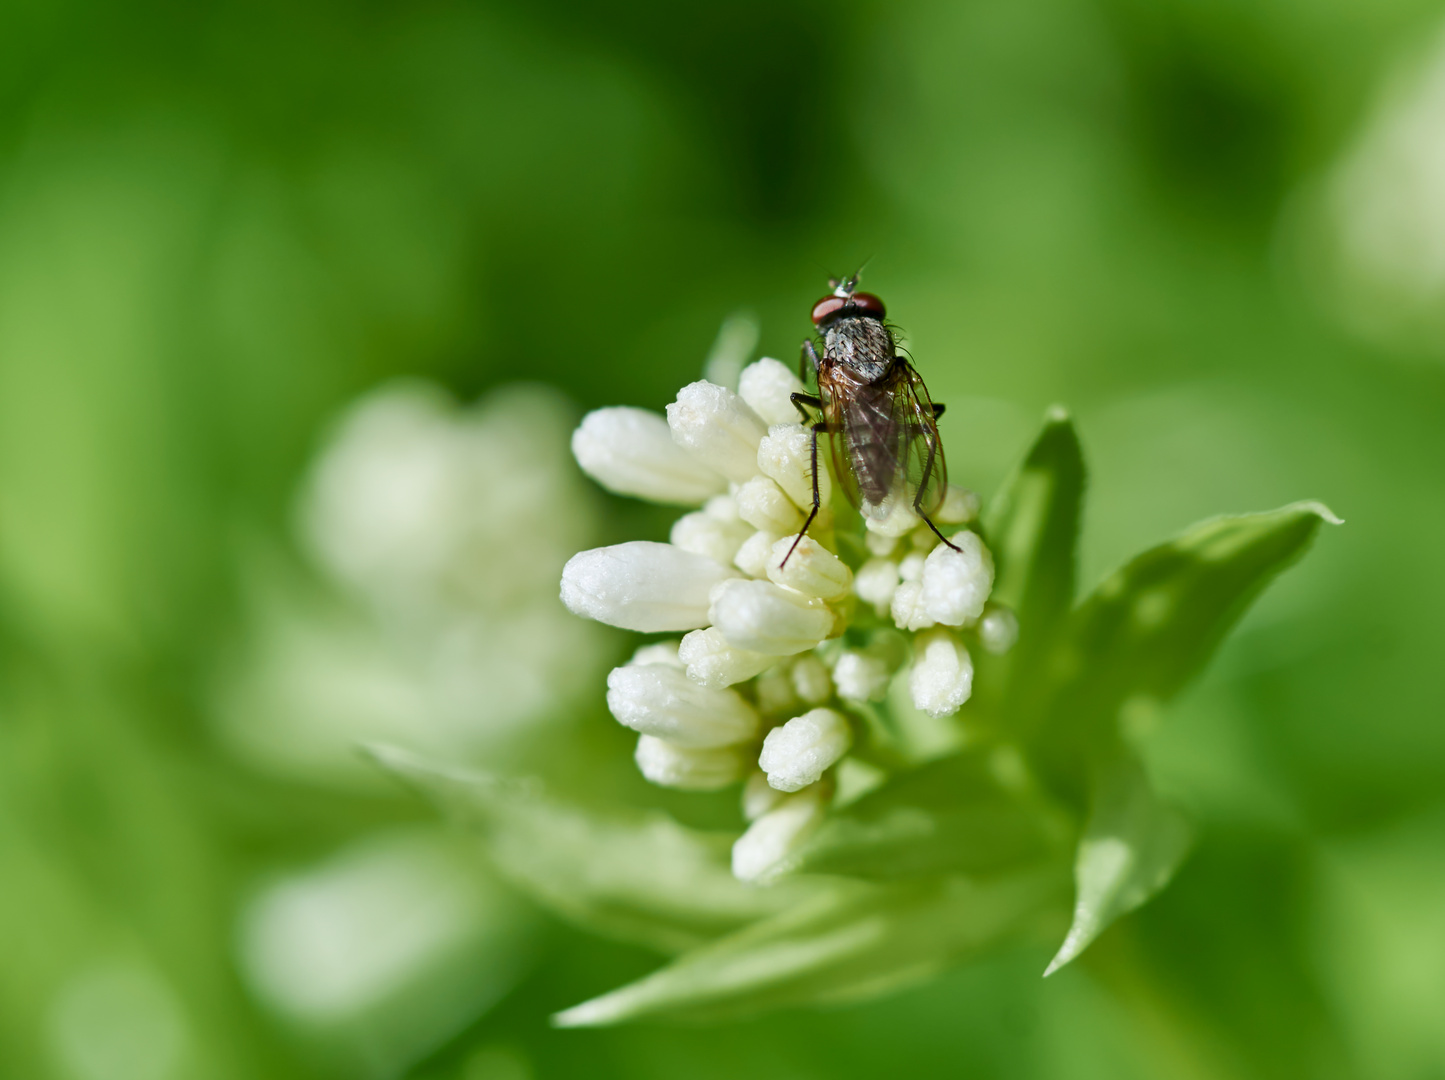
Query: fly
x=882, y=427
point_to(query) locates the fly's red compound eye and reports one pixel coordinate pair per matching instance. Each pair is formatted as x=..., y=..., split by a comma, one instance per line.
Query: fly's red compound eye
x=826, y=308
x=868, y=304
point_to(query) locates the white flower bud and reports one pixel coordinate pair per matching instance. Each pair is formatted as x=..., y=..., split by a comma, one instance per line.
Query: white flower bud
x=722, y=507
x=956, y=584
x=642, y=585
x=910, y=568
x=811, y=569
x=660, y=652
x=796, y=754
x=690, y=768
x=892, y=517
x=765, y=618
x=632, y=452
x=711, y=661
x=767, y=386
x=786, y=455
x=959, y=507
x=998, y=629
x=861, y=677
x=811, y=681
x=703, y=534
x=752, y=557
x=907, y=607
x=942, y=675
x=718, y=427
x=759, y=796
x=875, y=583
x=764, y=505
x=765, y=850
x=662, y=701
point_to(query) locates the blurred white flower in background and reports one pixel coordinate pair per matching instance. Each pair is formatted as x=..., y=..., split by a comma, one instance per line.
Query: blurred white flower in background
x=437, y=532
x=777, y=633
x=443, y=529
x=386, y=948
x=1384, y=212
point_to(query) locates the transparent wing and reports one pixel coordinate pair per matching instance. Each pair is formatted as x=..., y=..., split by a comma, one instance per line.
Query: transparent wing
x=884, y=440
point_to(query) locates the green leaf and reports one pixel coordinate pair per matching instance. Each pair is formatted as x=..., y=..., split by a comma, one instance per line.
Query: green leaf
x=1133, y=845
x=841, y=946
x=1032, y=525
x=956, y=815
x=638, y=877
x=1153, y=624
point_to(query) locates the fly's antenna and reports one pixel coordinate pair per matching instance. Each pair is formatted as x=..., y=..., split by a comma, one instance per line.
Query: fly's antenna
x=846, y=287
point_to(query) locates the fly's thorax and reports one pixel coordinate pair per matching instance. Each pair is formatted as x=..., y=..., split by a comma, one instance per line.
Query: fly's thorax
x=860, y=342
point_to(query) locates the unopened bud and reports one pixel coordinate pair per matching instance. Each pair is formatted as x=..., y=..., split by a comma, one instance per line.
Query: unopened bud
x=718, y=428
x=767, y=386
x=632, y=452
x=642, y=585
x=662, y=701
x=810, y=569
x=766, y=618
x=712, y=662
x=942, y=676
x=786, y=454
x=690, y=768
x=998, y=629
x=796, y=754
x=772, y=842
x=764, y=505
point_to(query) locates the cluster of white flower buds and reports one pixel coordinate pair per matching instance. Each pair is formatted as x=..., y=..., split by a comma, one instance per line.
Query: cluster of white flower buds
x=748, y=694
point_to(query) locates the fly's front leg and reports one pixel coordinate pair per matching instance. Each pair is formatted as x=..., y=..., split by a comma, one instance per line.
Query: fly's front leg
x=807, y=362
x=818, y=429
x=804, y=402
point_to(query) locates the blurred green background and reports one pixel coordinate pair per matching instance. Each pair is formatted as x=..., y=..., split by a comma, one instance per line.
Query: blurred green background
x=1216, y=231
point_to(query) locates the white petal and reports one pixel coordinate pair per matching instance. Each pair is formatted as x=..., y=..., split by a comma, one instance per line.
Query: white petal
x=860, y=676
x=811, y=680
x=642, y=585
x=786, y=455
x=690, y=768
x=956, y=584
x=875, y=583
x=998, y=629
x=765, y=618
x=767, y=386
x=711, y=661
x=764, y=851
x=796, y=754
x=703, y=533
x=718, y=428
x=811, y=569
x=662, y=701
x=632, y=452
x=752, y=557
x=764, y=505
x=942, y=675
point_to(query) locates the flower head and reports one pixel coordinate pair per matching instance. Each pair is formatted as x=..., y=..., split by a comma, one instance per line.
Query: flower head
x=789, y=656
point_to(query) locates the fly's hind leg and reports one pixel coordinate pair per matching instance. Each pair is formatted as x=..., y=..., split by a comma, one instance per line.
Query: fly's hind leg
x=923, y=486
x=802, y=402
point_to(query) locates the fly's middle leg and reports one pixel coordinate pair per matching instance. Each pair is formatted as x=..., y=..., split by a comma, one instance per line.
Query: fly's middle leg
x=799, y=401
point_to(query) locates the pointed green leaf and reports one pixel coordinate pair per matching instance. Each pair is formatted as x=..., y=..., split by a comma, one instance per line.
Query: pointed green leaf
x=1154, y=623
x=950, y=816
x=1032, y=525
x=1132, y=847
x=841, y=946
x=642, y=878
